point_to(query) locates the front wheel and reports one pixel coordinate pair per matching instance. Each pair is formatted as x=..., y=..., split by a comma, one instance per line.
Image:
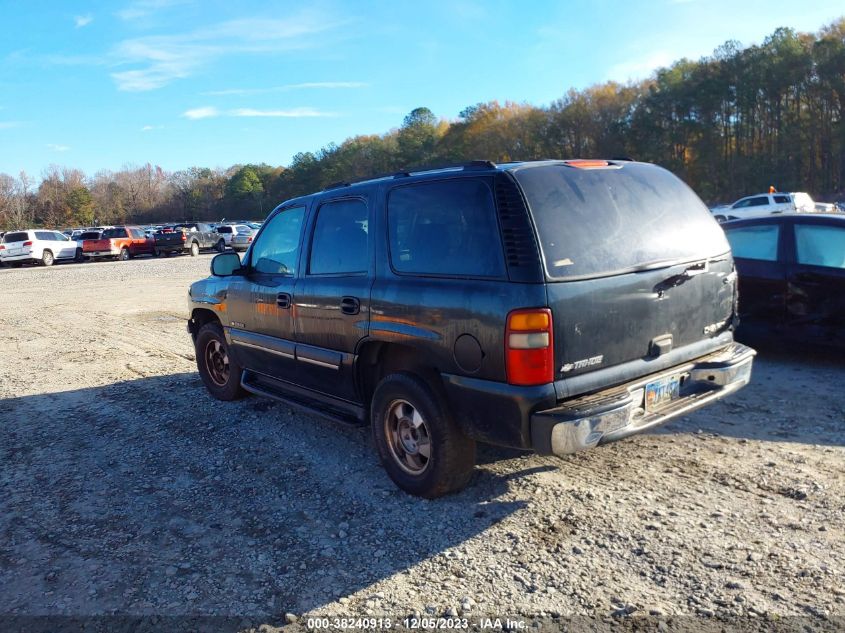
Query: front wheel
x=420, y=445
x=79, y=257
x=47, y=258
x=221, y=246
x=220, y=373
x=124, y=254
x=195, y=249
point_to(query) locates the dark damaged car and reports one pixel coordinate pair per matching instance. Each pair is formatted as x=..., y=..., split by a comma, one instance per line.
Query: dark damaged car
x=550, y=306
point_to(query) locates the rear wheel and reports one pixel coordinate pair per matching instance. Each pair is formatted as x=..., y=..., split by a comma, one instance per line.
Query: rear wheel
x=195, y=249
x=79, y=257
x=221, y=246
x=47, y=258
x=124, y=254
x=218, y=370
x=420, y=445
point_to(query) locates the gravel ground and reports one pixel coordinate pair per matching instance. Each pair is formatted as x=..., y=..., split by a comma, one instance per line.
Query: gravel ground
x=125, y=489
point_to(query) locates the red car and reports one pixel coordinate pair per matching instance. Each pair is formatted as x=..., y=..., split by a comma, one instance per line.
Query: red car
x=119, y=242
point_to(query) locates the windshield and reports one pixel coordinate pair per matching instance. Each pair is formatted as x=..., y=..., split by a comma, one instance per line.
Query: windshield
x=599, y=222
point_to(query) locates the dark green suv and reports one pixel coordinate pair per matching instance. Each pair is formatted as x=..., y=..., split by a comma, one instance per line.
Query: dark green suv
x=550, y=306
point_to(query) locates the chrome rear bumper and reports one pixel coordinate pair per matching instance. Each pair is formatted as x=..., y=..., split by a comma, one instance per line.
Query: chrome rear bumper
x=617, y=413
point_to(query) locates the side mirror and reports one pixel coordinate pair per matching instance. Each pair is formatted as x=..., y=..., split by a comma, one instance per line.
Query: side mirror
x=225, y=264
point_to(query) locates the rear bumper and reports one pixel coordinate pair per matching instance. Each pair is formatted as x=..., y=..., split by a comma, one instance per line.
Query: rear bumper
x=97, y=254
x=617, y=413
x=18, y=259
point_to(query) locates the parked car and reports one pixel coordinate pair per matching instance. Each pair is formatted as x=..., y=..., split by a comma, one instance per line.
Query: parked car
x=228, y=231
x=550, y=306
x=792, y=276
x=192, y=238
x=36, y=246
x=120, y=242
x=242, y=240
x=768, y=203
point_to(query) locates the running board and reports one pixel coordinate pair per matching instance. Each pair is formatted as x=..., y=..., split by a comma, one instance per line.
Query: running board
x=339, y=411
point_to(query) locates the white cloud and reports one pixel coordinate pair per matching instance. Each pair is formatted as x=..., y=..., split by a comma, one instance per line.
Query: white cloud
x=327, y=85
x=144, y=8
x=201, y=113
x=641, y=67
x=208, y=112
x=162, y=59
x=83, y=20
x=148, y=128
x=8, y=125
x=294, y=113
x=57, y=148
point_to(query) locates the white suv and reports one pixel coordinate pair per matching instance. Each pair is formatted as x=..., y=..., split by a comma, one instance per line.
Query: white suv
x=36, y=246
x=228, y=231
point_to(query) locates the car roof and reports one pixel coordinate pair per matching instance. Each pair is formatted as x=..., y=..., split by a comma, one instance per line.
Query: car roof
x=468, y=169
x=781, y=217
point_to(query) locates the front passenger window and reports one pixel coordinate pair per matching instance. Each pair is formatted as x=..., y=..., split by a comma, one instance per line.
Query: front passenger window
x=276, y=251
x=755, y=242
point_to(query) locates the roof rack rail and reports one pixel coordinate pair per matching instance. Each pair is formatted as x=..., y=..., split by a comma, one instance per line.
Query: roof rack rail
x=625, y=158
x=336, y=185
x=468, y=165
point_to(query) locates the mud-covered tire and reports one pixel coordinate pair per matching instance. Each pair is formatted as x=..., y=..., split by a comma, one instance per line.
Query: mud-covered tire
x=219, y=371
x=400, y=437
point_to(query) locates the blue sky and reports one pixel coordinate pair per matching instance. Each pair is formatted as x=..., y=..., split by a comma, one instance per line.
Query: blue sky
x=97, y=85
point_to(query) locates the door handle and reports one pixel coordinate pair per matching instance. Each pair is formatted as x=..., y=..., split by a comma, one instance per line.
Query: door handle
x=809, y=278
x=283, y=300
x=350, y=305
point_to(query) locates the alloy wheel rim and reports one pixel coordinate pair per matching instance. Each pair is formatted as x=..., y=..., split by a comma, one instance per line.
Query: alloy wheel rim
x=217, y=362
x=408, y=437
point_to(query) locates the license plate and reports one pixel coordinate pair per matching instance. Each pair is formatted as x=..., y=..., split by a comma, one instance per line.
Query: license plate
x=661, y=392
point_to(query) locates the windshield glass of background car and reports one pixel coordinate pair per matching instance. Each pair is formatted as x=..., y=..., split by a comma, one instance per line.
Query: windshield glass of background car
x=598, y=222
x=445, y=228
x=276, y=251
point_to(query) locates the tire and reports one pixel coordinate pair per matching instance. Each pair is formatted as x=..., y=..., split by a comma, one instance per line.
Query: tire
x=407, y=415
x=195, y=249
x=47, y=258
x=124, y=254
x=79, y=257
x=221, y=375
x=156, y=253
x=220, y=247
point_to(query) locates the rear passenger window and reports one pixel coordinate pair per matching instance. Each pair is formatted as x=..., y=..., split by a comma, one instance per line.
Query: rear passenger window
x=781, y=199
x=44, y=235
x=445, y=228
x=820, y=246
x=760, y=201
x=339, y=244
x=755, y=242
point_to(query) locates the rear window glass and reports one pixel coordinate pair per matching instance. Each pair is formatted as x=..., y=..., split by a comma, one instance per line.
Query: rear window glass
x=820, y=245
x=15, y=237
x=781, y=199
x=445, y=228
x=112, y=233
x=91, y=235
x=599, y=222
x=755, y=242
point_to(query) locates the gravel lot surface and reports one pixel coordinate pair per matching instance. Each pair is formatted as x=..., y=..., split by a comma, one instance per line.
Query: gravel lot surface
x=124, y=488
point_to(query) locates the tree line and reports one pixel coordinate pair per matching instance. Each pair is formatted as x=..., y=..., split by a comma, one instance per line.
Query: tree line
x=729, y=124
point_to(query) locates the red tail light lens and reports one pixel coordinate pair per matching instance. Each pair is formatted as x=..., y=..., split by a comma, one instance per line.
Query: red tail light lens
x=2, y=248
x=27, y=243
x=529, y=347
x=184, y=237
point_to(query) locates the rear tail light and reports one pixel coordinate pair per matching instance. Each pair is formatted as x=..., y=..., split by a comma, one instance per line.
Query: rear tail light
x=529, y=347
x=184, y=237
x=2, y=248
x=27, y=243
x=249, y=239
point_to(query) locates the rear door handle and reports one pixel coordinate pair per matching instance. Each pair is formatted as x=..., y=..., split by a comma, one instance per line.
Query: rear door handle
x=283, y=300
x=350, y=305
x=809, y=278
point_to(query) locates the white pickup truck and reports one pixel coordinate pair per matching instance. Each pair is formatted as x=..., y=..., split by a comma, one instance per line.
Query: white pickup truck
x=768, y=203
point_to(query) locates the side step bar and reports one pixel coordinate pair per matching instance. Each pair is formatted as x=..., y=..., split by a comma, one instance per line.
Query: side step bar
x=340, y=411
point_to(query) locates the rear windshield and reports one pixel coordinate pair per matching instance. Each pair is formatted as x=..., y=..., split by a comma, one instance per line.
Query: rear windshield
x=15, y=237
x=600, y=222
x=224, y=229
x=90, y=235
x=111, y=233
